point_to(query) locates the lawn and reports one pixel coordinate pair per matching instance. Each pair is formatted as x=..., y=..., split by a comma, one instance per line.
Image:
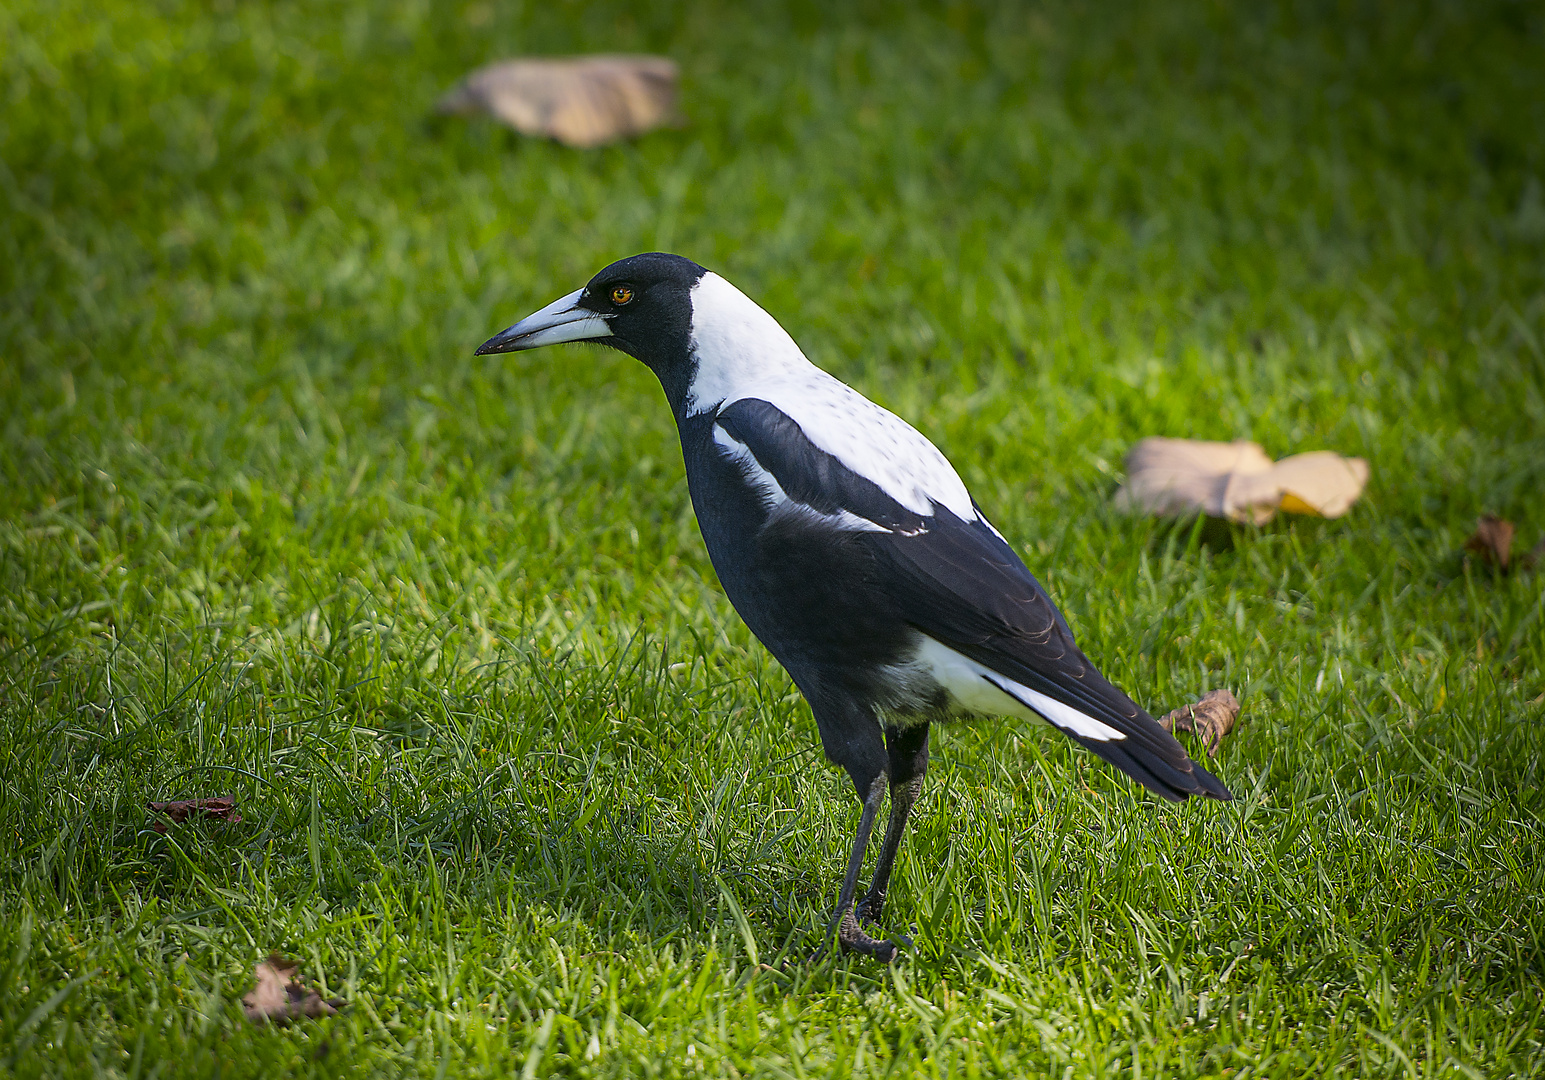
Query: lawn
x=516, y=784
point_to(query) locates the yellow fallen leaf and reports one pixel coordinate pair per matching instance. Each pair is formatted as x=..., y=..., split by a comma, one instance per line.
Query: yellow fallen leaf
x=1292, y=504
x=1237, y=480
x=1320, y=482
x=578, y=100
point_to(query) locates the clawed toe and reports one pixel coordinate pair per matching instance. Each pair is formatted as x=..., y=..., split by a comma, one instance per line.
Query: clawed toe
x=852, y=938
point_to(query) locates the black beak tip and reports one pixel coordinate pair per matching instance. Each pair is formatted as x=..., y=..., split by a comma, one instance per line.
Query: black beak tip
x=495, y=344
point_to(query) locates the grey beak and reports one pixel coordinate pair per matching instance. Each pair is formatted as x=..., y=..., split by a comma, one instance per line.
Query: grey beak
x=562, y=320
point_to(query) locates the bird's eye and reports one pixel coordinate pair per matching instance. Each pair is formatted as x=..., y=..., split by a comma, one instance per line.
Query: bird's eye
x=621, y=294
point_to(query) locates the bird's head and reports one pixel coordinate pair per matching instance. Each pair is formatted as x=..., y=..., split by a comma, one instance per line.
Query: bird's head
x=641, y=305
x=705, y=339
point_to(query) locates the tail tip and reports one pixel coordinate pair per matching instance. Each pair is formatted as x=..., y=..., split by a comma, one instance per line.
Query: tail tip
x=1210, y=785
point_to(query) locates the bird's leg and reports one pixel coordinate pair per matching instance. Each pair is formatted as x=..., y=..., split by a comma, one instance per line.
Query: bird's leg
x=903, y=795
x=850, y=935
x=852, y=737
x=907, y=749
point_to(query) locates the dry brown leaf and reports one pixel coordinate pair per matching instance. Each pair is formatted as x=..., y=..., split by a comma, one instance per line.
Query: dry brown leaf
x=1211, y=718
x=578, y=100
x=279, y=997
x=1176, y=476
x=1493, y=540
x=1321, y=483
x=1237, y=480
x=221, y=808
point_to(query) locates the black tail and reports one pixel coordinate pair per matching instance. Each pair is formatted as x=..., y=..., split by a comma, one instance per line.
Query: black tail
x=1145, y=751
x=1163, y=776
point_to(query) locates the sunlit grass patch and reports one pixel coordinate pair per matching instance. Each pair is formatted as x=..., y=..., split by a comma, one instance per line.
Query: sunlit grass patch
x=517, y=785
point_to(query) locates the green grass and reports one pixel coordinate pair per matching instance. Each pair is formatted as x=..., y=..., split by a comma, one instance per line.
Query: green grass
x=517, y=783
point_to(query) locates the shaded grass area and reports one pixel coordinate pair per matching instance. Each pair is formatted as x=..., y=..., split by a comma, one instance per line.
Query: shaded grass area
x=517, y=784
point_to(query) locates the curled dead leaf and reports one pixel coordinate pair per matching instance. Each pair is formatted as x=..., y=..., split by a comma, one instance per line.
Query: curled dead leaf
x=1212, y=717
x=1492, y=540
x=579, y=100
x=220, y=807
x=1237, y=481
x=279, y=997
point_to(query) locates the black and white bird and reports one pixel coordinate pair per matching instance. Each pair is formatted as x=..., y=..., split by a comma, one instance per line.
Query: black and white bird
x=854, y=552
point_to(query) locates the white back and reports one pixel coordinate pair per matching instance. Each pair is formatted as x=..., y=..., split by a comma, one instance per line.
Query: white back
x=742, y=352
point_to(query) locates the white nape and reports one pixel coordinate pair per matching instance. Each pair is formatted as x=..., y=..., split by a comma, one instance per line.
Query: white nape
x=979, y=689
x=742, y=352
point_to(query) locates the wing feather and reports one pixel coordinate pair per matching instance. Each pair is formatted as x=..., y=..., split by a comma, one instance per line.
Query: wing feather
x=962, y=585
x=959, y=582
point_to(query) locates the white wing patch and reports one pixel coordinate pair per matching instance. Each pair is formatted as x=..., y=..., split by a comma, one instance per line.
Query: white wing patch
x=772, y=491
x=977, y=688
x=742, y=352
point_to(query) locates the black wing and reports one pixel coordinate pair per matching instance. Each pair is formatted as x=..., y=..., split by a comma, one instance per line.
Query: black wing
x=961, y=584
x=808, y=474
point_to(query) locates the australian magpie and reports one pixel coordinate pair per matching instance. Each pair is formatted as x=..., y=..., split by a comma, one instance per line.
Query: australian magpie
x=852, y=549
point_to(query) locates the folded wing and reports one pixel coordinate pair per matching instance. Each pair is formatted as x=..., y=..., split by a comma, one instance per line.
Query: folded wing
x=958, y=582
x=962, y=585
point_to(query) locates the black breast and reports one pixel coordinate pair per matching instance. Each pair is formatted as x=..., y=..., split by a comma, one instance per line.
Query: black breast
x=808, y=591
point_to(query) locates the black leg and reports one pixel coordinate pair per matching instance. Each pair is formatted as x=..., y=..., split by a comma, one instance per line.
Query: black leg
x=851, y=737
x=850, y=935
x=907, y=749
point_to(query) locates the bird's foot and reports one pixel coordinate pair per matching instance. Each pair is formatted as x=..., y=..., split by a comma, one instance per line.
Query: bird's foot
x=868, y=914
x=868, y=910
x=852, y=938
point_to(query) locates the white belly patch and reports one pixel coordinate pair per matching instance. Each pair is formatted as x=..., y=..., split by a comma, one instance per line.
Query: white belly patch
x=977, y=688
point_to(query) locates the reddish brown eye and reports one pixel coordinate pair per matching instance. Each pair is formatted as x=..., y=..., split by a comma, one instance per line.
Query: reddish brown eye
x=622, y=295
